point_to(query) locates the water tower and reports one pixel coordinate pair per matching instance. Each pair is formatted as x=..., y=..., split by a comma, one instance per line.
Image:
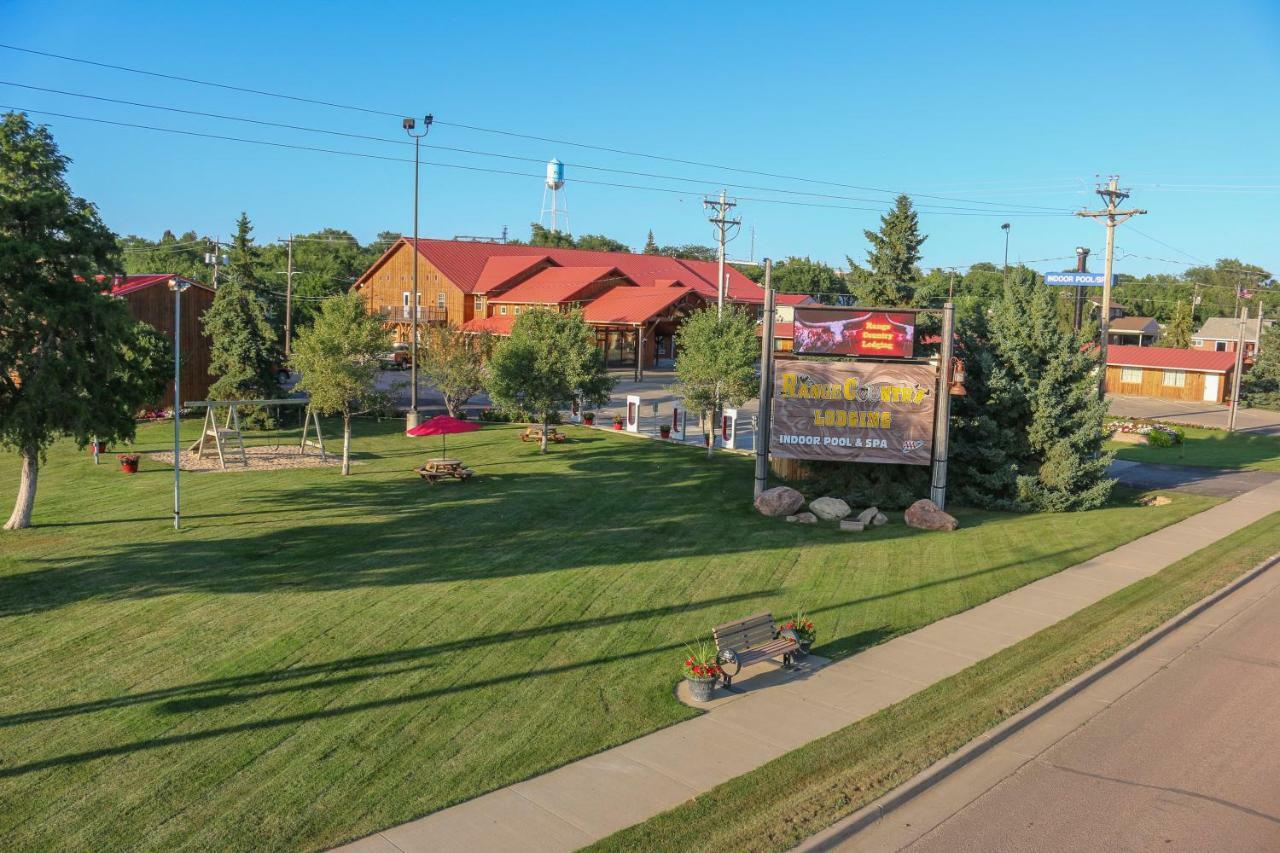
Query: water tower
x=559, y=207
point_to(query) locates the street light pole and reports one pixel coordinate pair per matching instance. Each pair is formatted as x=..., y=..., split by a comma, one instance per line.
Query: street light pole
x=177, y=285
x=1005, y=229
x=409, y=125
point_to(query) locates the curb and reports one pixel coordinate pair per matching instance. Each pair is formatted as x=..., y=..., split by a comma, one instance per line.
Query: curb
x=871, y=813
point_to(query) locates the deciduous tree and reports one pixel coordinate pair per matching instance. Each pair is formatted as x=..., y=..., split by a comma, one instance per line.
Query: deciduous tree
x=72, y=361
x=338, y=359
x=717, y=359
x=1178, y=332
x=802, y=275
x=549, y=359
x=456, y=363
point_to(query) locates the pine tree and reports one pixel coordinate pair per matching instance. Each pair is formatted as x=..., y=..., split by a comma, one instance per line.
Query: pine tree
x=1178, y=332
x=892, y=258
x=1261, y=385
x=651, y=245
x=244, y=255
x=1043, y=397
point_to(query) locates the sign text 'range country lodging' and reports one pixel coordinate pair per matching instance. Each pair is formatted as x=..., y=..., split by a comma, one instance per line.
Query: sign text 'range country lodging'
x=853, y=412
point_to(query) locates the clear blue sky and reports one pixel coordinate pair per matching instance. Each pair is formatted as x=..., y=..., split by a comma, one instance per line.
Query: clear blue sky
x=993, y=102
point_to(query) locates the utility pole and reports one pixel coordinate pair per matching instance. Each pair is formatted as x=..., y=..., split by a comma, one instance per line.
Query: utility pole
x=1239, y=369
x=942, y=408
x=1082, y=262
x=177, y=285
x=1113, y=216
x=288, y=274
x=213, y=257
x=723, y=223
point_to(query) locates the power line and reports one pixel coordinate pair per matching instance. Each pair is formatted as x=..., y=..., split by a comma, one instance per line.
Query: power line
x=517, y=134
x=368, y=156
x=1166, y=245
x=471, y=151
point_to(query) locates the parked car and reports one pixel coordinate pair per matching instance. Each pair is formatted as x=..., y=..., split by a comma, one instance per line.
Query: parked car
x=396, y=359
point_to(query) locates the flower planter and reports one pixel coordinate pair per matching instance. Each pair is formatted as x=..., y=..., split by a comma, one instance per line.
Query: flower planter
x=98, y=447
x=805, y=645
x=664, y=431
x=617, y=426
x=701, y=689
x=589, y=420
x=129, y=466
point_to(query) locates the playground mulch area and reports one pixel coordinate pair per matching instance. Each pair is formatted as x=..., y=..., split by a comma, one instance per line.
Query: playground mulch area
x=314, y=657
x=259, y=459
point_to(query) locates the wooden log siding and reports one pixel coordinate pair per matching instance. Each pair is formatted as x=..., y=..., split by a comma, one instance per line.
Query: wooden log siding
x=1152, y=384
x=385, y=289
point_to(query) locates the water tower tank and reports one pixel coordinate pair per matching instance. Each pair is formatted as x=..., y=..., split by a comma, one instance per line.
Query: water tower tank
x=555, y=174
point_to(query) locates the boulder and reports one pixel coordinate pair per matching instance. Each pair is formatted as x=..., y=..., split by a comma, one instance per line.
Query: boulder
x=829, y=509
x=925, y=515
x=852, y=525
x=880, y=520
x=779, y=501
x=868, y=515
x=1156, y=500
x=803, y=518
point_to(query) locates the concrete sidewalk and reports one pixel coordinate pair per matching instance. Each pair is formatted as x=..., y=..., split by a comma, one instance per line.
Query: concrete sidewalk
x=774, y=713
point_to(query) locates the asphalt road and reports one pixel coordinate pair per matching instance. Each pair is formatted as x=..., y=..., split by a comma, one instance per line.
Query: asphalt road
x=1219, y=482
x=1180, y=752
x=1256, y=421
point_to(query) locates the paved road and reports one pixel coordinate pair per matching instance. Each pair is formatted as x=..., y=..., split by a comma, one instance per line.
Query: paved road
x=1257, y=421
x=1219, y=482
x=1177, y=750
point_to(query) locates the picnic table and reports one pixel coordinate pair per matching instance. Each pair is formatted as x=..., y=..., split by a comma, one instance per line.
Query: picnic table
x=434, y=470
x=535, y=434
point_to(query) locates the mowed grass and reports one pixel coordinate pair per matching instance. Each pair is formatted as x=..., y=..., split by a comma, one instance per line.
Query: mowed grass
x=1210, y=448
x=315, y=657
x=807, y=790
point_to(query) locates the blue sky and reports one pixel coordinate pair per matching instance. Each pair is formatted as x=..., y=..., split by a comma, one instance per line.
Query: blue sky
x=1000, y=103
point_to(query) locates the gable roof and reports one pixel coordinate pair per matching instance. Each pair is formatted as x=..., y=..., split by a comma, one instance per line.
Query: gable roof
x=556, y=285
x=633, y=305
x=1228, y=329
x=122, y=285
x=1170, y=358
x=500, y=269
x=1146, y=325
x=498, y=325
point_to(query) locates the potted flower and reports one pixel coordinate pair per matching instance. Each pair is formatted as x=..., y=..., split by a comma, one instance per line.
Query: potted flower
x=801, y=630
x=128, y=462
x=617, y=421
x=589, y=418
x=665, y=430
x=97, y=448
x=701, y=672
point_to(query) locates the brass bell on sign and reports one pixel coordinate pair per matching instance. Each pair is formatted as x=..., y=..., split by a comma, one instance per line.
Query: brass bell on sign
x=956, y=386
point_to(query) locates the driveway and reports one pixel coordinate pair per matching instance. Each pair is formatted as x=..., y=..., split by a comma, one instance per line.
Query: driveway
x=1258, y=421
x=1219, y=482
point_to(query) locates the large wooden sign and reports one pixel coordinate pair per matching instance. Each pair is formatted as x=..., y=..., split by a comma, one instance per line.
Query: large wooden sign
x=853, y=412
x=854, y=331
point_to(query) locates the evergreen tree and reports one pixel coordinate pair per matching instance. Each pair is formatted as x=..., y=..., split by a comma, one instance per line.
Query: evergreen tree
x=243, y=265
x=1178, y=332
x=895, y=250
x=1043, y=395
x=1261, y=385
x=651, y=245
x=243, y=351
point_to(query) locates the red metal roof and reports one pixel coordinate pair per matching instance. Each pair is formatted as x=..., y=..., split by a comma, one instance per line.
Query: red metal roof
x=464, y=263
x=557, y=285
x=792, y=298
x=497, y=325
x=121, y=285
x=633, y=305
x=1170, y=358
x=781, y=331
x=500, y=269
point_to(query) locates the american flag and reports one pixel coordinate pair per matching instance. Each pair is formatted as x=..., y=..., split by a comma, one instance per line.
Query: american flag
x=1246, y=294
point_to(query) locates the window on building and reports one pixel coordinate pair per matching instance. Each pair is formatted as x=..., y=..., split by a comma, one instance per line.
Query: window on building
x=502, y=309
x=1131, y=375
x=440, y=300
x=1198, y=343
x=1220, y=346
x=478, y=303
x=1174, y=379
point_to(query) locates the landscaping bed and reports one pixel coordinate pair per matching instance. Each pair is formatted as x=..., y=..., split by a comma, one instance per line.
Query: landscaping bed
x=1200, y=446
x=315, y=657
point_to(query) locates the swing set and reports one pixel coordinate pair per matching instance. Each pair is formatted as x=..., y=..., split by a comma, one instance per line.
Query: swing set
x=227, y=438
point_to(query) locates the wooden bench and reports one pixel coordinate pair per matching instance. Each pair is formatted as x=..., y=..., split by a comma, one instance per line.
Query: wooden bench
x=434, y=474
x=747, y=641
x=535, y=434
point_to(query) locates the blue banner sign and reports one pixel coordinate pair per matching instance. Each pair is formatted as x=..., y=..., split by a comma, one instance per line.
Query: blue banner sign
x=1074, y=279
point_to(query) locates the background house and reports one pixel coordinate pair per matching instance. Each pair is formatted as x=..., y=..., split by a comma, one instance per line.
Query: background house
x=1220, y=334
x=1174, y=374
x=151, y=301
x=1137, y=331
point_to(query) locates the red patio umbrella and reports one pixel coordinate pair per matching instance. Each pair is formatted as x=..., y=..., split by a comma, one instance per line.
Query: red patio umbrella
x=442, y=425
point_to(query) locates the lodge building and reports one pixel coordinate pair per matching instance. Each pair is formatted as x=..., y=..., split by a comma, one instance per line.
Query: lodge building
x=150, y=300
x=635, y=302
x=1169, y=373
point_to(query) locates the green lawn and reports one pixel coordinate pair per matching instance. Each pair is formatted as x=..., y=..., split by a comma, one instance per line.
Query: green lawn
x=780, y=804
x=1212, y=448
x=318, y=657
